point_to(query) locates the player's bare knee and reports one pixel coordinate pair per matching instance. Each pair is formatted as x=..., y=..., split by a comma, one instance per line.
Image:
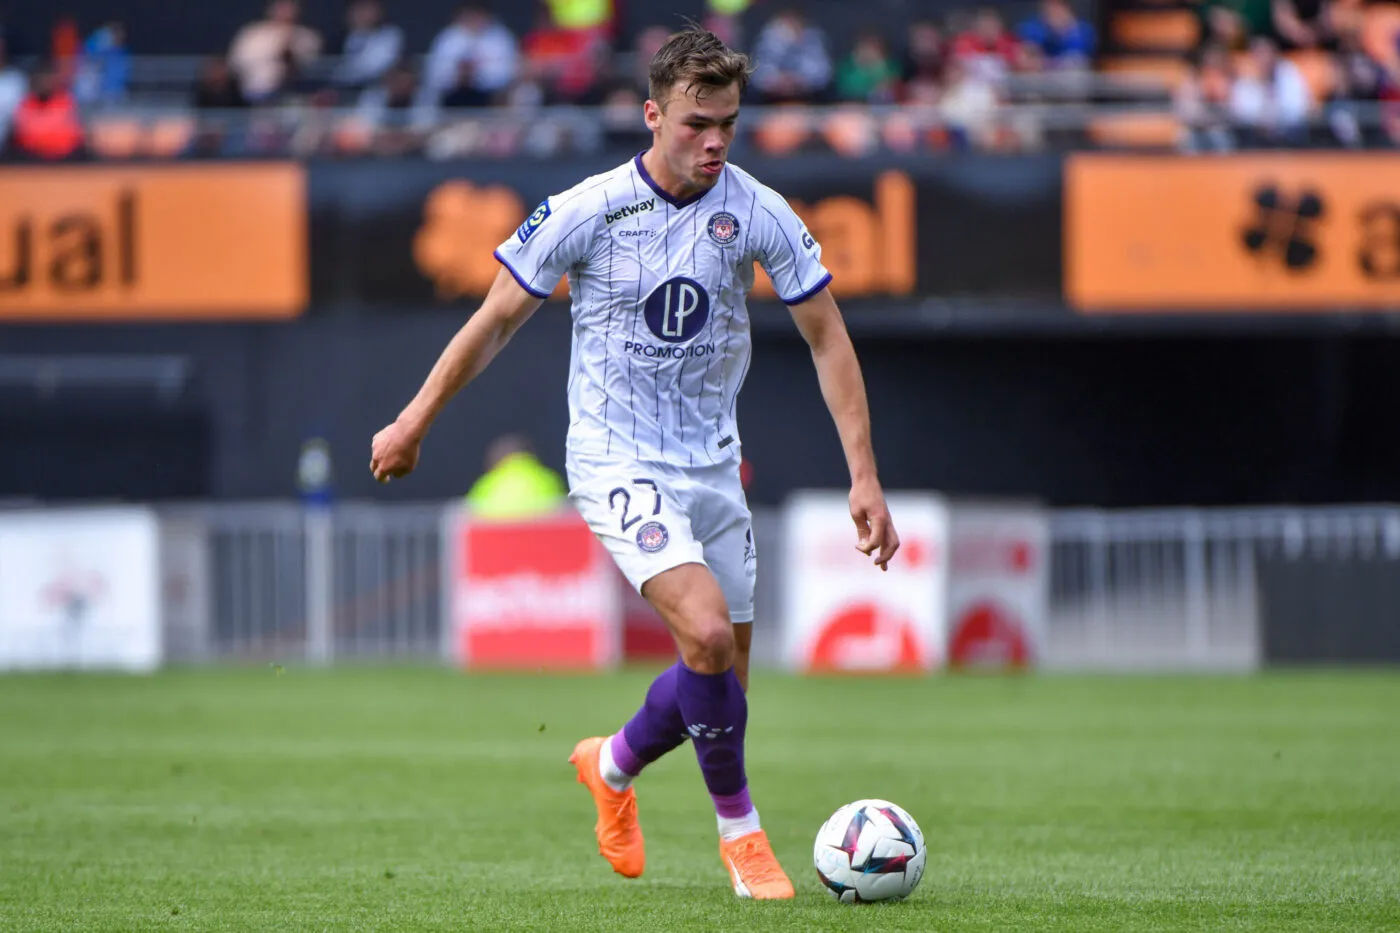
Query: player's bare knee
x=712, y=647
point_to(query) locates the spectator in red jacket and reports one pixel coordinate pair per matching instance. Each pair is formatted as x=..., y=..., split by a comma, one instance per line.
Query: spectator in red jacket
x=46, y=123
x=988, y=51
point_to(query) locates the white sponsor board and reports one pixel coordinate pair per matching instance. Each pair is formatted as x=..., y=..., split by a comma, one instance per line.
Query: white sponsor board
x=843, y=613
x=80, y=588
x=968, y=587
x=997, y=584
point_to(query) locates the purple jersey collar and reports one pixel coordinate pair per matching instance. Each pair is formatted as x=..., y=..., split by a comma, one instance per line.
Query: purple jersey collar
x=662, y=193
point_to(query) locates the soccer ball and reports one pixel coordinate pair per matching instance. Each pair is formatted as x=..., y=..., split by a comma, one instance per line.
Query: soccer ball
x=870, y=850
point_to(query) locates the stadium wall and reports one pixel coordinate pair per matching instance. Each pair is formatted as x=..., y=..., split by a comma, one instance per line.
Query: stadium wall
x=984, y=381
x=1109, y=421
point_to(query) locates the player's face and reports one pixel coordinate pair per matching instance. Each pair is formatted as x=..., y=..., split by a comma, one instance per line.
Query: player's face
x=694, y=131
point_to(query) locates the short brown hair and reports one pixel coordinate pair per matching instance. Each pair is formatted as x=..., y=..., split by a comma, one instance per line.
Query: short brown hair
x=696, y=56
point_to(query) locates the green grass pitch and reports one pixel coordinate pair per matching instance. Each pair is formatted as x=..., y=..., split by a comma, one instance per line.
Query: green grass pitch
x=421, y=799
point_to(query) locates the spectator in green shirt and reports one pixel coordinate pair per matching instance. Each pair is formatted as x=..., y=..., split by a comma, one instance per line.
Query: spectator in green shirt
x=868, y=74
x=1233, y=22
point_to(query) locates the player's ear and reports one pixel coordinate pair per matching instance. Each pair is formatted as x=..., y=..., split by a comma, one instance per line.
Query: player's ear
x=651, y=112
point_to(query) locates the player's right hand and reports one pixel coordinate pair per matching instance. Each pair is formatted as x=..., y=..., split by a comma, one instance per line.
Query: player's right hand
x=875, y=534
x=394, y=452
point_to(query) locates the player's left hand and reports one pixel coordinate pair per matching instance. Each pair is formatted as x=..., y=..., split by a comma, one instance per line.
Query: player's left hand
x=875, y=532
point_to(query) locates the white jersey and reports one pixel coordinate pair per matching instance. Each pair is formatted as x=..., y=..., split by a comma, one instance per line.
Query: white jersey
x=661, y=340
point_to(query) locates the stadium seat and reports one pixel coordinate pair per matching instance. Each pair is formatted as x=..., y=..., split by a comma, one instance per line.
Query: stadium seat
x=170, y=136
x=116, y=137
x=353, y=136
x=1165, y=70
x=1156, y=30
x=1135, y=131
x=851, y=132
x=782, y=132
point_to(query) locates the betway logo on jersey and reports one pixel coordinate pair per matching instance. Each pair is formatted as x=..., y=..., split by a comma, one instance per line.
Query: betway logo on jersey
x=641, y=207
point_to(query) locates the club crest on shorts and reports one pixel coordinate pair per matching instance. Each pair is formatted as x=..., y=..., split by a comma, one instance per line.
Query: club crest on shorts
x=652, y=537
x=723, y=228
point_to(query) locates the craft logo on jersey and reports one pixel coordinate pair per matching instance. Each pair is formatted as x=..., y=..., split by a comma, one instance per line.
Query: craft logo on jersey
x=723, y=228
x=652, y=537
x=677, y=309
x=528, y=228
x=641, y=207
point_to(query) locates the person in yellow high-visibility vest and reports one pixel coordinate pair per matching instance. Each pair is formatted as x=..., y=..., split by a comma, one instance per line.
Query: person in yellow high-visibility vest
x=723, y=18
x=516, y=485
x=581, y=14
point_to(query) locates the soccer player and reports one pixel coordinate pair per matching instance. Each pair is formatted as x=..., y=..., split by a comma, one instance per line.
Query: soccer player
x=659, y=255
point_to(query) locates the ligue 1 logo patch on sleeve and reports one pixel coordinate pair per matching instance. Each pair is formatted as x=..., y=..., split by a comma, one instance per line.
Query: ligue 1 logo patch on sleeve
x=528, y=228
x=723, y=228
x=652, y=537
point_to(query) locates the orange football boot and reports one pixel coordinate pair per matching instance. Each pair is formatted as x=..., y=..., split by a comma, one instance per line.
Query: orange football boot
x=619, y=834
x=754, y=868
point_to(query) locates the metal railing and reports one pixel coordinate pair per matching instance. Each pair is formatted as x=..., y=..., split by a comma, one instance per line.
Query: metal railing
x=1187, y=588
x=1135, y=590
x=1174, y=589
x=274, y=580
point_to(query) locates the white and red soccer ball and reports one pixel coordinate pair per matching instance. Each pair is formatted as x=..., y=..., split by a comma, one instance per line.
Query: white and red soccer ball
x=870, y=850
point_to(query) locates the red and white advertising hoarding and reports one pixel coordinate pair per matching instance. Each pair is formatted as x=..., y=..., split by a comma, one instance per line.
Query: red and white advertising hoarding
x=530, y=595
x=968, y=587
x=997, y=585
x=843, y=613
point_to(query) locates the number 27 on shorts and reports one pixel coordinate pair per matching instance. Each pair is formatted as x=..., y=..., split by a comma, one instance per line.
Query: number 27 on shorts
x=624, y=495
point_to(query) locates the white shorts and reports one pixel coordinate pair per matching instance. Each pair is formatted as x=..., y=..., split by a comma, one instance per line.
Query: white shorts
x=654, y=516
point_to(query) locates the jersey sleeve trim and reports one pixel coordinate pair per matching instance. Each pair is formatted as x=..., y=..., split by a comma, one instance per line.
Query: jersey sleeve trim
x=520, y=278
x=823, y=283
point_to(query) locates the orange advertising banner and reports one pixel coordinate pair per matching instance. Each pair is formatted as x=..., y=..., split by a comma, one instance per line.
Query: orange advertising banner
x=1264, y=233
x=186, y=242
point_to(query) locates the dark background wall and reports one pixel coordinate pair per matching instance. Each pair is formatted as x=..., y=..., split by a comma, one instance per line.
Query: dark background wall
x=1099, y=420
x=981, y=381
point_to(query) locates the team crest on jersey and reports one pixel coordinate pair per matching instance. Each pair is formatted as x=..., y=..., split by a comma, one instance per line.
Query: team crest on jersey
x=723, y=228
x=532, y=223
x=652, y=537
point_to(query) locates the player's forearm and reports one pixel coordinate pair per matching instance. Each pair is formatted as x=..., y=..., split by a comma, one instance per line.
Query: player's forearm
x=469, y=352
x=843, y=388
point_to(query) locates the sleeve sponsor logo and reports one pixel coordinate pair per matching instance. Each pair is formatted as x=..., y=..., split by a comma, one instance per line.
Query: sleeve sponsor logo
x=534, y=222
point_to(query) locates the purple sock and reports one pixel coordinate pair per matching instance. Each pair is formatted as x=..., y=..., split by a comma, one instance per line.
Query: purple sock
x=656, y=729
x=733, y=806
x=716, y=713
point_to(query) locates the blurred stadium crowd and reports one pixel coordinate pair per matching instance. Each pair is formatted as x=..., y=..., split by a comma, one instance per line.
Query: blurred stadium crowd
x=1186, y=74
